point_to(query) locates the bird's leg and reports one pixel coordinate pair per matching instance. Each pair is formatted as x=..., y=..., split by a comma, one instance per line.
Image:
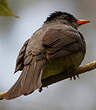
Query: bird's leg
x=40, y=89
x=72, y=74
x=78, y=76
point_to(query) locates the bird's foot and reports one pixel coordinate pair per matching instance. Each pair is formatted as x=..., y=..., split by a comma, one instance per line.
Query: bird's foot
x=72, y=75
x=40, y=89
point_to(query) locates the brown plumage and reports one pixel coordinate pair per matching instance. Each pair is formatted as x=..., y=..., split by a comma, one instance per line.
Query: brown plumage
x=54, y=43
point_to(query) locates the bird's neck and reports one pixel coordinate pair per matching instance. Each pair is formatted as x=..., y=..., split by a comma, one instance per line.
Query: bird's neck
x=60, y=22
x=54, y=22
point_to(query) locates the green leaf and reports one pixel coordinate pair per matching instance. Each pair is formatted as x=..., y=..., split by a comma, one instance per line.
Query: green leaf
x=5, y=10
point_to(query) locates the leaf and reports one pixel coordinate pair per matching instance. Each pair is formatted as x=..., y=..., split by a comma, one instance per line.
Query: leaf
x=5, y=10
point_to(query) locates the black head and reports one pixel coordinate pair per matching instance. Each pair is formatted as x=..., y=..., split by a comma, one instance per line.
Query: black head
x=61, y=15
x=65, y=18
x=58, y=15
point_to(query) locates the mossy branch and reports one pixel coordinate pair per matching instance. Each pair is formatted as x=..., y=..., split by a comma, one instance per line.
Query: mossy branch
x=80, y=70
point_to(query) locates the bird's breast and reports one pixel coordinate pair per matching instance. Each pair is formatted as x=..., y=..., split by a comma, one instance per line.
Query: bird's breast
x=59, y=65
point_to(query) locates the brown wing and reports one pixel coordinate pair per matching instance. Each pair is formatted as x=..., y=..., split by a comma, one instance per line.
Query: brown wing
x=60, y=43
x=32, y=65
x=20, y=58
x=29, y=80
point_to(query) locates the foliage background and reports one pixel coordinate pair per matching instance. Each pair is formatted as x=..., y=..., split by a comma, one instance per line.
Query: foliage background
x=65, y=95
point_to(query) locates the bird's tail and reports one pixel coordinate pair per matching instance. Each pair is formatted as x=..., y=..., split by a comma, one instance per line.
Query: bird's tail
x=29, y=80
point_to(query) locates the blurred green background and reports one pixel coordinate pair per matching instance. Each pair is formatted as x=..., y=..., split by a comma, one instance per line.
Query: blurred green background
x=65, y=95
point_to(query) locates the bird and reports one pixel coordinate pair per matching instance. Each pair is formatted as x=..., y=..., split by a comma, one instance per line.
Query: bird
x=56, y=47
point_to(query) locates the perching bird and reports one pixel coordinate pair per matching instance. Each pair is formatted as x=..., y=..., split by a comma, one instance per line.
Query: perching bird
x=56, y=47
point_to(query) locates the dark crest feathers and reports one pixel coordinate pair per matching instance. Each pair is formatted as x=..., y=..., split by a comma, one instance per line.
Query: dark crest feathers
x=64, y=15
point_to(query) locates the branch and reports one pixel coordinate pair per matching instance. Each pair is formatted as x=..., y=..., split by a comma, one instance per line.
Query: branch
x=13, y=93
x=80, y=70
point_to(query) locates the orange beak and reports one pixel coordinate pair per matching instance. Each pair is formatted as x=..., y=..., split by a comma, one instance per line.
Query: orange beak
x=80, y=22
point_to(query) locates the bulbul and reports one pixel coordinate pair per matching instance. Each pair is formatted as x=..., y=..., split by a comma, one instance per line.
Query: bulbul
x=56, y=47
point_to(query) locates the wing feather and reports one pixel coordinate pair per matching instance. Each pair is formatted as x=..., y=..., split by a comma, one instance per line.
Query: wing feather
x=60, y=43
x=29, y=80
x=20, y=58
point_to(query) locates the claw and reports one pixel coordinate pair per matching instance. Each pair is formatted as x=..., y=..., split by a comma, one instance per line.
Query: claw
x=71, y=73
x=40, y=89
x=78, y=76
x=74, y=77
